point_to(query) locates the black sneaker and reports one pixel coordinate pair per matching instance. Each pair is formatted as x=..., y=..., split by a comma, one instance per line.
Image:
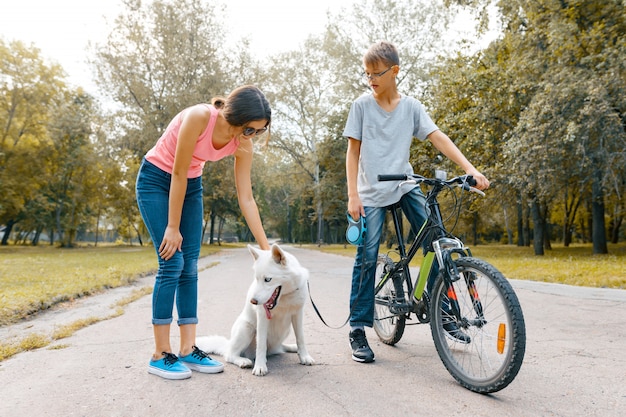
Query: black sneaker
x=361, y=351
x=454, y=333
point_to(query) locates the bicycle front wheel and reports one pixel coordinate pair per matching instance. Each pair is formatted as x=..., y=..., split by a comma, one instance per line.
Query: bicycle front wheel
x=484, y=350
x=388, y=325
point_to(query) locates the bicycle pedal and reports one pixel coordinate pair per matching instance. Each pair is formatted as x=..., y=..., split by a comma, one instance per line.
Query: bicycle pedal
x=400, y=308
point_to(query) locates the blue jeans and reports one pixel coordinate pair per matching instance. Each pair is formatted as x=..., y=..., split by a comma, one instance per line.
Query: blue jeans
x=178, y=276
x=413, y=205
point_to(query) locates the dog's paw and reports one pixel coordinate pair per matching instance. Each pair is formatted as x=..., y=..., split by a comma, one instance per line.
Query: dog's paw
x=259, y=370
x=242, y=362
x=307, y=360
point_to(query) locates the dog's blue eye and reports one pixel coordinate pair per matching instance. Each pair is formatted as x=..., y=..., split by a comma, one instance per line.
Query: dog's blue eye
x=268, y=279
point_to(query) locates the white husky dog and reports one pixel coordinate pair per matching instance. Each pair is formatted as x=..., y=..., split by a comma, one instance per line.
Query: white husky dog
x=275, y=301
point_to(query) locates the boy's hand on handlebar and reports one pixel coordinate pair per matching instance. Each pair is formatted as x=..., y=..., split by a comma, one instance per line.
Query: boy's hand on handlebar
x=482, y=183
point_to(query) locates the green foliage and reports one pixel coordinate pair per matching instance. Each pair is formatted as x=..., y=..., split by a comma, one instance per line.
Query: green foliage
x=540, y=111
x=28, y=90
x=161, y=57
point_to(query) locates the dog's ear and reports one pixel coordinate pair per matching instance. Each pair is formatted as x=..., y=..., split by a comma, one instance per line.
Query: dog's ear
x=278, y=255
x=254, y=252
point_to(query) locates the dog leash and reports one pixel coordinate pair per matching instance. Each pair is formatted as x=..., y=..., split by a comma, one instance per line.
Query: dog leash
x=353, y=304
x=320, y=315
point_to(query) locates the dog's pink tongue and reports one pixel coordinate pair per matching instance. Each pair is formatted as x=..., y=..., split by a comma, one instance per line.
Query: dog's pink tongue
x=268, y=313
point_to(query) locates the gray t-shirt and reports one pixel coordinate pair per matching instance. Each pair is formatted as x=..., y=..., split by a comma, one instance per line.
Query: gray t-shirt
x=385, y=145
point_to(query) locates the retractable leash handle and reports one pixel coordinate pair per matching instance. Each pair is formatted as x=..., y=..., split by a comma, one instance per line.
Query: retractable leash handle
x=355, y=232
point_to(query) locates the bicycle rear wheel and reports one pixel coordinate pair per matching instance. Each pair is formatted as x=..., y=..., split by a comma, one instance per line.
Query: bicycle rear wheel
x=388, y=325
x=491, y=316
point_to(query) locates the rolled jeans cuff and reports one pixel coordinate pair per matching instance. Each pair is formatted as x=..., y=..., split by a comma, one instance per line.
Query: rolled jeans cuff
x=161, y=321
x=189, y=320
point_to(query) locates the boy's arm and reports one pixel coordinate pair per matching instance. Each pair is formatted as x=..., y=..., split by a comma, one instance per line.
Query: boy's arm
x=355, y=207
x=444, y=144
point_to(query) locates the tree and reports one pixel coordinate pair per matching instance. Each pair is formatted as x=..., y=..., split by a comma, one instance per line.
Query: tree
x=319, y=93
x=160, y=57
x=415, y=27
x=28, y=89
x=556, y=98
x=574, y=114
x=74, y=166
x=302, y=108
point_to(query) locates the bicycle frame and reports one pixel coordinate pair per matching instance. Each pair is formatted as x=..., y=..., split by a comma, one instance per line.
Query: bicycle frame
x=439, y=250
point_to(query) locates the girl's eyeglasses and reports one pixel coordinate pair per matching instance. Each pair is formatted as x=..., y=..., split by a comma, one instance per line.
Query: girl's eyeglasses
x=250, y=131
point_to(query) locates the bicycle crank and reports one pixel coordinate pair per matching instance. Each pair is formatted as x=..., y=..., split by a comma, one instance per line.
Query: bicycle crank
x=421, y=310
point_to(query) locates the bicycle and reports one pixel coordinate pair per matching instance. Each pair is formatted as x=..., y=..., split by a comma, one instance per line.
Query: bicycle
x=467, y=291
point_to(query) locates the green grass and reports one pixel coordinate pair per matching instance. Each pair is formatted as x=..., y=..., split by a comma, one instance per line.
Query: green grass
x=36, y=278
x=33, y=279
x=575, y=265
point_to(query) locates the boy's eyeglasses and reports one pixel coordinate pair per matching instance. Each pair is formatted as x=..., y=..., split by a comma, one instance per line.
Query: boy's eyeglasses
x=368, y=77
x=250, y=131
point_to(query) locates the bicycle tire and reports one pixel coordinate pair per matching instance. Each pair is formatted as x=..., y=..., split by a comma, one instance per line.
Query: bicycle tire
x=493, y=357
x=388, y=326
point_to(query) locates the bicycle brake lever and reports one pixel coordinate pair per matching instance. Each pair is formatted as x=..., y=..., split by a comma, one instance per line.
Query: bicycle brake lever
x=477, y=191
x=407, y=182
x=467, y=187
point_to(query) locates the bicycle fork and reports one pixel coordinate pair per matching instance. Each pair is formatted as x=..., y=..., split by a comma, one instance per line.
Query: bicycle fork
x=444, y=248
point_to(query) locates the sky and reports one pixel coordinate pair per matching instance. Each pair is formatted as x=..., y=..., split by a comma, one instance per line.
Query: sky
x=62, y=28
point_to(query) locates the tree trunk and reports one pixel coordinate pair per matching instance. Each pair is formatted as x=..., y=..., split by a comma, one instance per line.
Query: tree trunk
x=567, y=235
x=615, y=225
x=320, y=223
x=7, y=232
x=289, y=225
x=212, y=229
x=547, y=230
x=597, y=209
x=520, y=224
x=220, y=229
x=527, y=226
x=97, y=229
x=538, y=228
x=35, y=241
x=509, y=232
x=475, y=229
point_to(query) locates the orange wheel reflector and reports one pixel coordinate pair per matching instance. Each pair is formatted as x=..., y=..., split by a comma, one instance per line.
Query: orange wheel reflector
x=501, y=337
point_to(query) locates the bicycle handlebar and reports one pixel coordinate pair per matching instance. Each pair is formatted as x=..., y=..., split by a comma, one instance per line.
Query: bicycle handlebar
x=393, y=177
x=464, y=181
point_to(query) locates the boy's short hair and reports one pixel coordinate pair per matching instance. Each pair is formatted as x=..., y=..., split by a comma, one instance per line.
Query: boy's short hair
x=383, y=52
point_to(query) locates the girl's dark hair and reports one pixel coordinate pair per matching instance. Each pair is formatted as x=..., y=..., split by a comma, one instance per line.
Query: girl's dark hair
x=243, y=105
x=218, y=102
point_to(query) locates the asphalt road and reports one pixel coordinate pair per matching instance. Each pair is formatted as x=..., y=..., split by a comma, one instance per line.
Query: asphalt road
x=575, y=363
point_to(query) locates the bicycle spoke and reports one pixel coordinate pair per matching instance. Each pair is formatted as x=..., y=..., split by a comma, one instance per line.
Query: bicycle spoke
x=492, y=358
x=388, y=325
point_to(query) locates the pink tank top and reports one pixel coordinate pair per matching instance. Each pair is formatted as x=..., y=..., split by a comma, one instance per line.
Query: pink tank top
x=162, y=154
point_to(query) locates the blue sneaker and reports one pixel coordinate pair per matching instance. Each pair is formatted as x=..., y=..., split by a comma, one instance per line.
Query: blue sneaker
x=201, y=362
x=169, y=367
